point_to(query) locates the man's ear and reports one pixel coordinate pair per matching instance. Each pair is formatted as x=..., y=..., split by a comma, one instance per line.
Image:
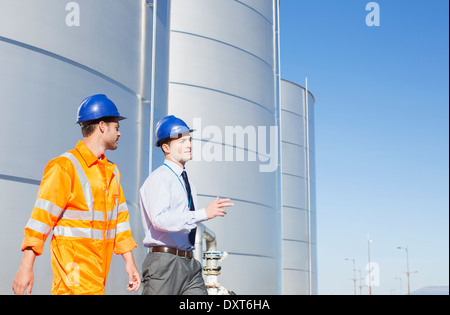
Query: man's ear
x=166, y=148
x=102, y=126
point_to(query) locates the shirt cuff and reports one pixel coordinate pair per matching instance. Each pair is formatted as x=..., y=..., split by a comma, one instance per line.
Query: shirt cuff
x=200, y=215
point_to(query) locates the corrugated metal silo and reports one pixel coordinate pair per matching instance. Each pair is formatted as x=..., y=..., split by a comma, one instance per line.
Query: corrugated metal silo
x=53, y=54
x=223, y=82
x=298, y=190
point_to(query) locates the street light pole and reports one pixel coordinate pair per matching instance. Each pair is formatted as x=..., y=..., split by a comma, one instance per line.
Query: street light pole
x=401, y=285
x=368, y=246
x=360, y=283
x=354, y=273
x=407, y=267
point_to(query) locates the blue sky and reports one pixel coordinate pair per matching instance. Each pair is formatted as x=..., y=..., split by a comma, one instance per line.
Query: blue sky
x=382, y=135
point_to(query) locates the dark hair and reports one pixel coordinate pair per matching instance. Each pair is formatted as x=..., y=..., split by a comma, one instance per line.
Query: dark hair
x=168, y=140
x=88, y=127
x=164, y=141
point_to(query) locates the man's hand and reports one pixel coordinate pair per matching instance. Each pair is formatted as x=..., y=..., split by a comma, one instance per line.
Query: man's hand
x=24, y=277
x=134, y=277
x=216, y=208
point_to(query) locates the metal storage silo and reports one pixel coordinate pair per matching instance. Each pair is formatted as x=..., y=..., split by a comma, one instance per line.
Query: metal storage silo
x=223, y=82
x=53, y=54
x=298, y=190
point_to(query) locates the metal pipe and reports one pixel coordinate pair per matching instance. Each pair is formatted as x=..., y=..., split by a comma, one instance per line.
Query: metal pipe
x=210, y=237
x=308, y=185
x=153, y=79
x=277, y=100
x=212, y=257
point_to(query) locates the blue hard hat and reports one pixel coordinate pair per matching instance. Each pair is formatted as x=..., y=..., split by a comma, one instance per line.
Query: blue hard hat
x=95, y=107
x=169, y=126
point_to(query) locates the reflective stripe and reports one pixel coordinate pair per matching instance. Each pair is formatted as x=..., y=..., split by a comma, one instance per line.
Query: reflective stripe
x=87, y=191
x=83, y=215
x=111, y=215
x=110, y=234
x=87, y=215
x=38, y=226
x=74, y=214
x=82, y=232
x=77, y=232
x=123, y=207
x=116, y=208
x=48, y=206
x=122, y=227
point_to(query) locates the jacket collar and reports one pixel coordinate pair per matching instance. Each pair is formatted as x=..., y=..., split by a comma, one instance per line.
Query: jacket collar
x=87, y=155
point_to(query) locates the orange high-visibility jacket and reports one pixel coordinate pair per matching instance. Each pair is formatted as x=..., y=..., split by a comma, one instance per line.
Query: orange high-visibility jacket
x=80, y=198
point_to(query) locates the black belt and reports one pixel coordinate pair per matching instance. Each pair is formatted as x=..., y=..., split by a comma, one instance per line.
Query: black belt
x=170, y=250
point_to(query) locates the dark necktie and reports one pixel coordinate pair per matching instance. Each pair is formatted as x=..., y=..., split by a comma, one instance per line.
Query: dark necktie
x=191, y=203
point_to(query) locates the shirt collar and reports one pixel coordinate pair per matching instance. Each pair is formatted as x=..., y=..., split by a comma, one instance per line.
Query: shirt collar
x=87, y=155
x=174, y=166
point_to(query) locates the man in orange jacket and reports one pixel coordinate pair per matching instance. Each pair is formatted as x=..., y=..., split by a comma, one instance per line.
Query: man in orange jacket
x=80, y=198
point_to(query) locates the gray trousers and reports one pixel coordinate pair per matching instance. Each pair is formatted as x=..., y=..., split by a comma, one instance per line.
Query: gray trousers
x=168, y=274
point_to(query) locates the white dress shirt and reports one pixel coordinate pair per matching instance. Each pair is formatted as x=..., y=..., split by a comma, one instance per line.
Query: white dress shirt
x=165, y=210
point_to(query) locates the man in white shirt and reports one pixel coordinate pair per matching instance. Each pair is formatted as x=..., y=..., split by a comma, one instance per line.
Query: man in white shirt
x=170, y=217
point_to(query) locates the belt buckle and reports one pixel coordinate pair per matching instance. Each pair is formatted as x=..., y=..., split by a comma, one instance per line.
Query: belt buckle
x=182, y=253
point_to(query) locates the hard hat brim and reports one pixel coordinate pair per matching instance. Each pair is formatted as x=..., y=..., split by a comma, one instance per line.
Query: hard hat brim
x=119, y=118
x=159, y=142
